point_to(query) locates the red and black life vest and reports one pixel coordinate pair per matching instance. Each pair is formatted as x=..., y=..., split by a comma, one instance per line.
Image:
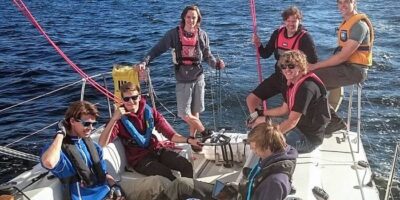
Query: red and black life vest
x=283, y=43
x=187, y=53
x=291, y=91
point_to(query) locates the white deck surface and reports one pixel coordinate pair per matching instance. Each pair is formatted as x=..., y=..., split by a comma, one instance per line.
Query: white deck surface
x=329, y=167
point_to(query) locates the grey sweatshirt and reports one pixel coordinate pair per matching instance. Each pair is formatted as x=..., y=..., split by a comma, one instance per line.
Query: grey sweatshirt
x=184, y=74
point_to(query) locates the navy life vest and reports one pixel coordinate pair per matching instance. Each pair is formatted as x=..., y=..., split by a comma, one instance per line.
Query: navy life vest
x=85, y=175
x=140, y=139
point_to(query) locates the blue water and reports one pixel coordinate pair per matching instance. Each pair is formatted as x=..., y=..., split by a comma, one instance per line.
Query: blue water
x=97, y=34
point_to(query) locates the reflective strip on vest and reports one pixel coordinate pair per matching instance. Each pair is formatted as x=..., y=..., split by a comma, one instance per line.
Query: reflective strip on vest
x=363, y=55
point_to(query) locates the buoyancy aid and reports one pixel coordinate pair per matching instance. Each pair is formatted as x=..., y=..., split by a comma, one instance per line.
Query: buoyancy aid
x=187, y=53
x=284, y=43
x=142, y=140
x=85, y=175
x=363, y=55
x=258, y=175
x=291, y=91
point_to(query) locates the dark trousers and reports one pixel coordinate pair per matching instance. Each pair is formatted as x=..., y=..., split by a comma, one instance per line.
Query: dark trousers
x=162, y=162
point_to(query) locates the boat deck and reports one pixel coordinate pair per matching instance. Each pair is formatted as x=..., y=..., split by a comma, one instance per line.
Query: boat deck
x=329, y=167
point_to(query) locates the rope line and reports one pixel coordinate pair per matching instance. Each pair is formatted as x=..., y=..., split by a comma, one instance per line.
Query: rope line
x=25, y=11
x=254, y=24
x=40, y=130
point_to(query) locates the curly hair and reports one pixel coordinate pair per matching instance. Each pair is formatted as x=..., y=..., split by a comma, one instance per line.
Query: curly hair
x=294, y=57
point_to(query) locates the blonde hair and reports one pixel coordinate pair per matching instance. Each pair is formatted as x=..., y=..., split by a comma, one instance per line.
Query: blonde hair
x=294, y=57
x=267, y=136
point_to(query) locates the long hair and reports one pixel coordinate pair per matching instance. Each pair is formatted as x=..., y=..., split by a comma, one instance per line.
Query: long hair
x=186, y=10
x=267, y=136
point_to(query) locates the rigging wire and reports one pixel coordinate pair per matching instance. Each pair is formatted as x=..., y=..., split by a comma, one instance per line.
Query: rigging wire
x=25, y=11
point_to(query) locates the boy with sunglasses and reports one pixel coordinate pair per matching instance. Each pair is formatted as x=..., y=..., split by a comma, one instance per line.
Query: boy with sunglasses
x=305, y=104
x=76, y=160
x=143, y=150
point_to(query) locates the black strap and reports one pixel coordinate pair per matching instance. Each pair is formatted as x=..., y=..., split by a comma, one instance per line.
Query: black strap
x=84, y=175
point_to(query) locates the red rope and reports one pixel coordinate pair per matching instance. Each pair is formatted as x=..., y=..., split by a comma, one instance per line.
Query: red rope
x=259, y=69
x=21, y=6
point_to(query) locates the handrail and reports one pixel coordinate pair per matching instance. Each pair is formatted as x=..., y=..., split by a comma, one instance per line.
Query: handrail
x=392, y=171
x=347, y=135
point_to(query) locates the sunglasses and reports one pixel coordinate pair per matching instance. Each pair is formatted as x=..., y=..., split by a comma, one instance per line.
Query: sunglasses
x=86, y=124
x=290, y=66
x=135, y=97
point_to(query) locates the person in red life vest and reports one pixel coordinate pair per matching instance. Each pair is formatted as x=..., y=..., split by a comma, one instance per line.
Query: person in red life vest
x=351, y=59
x=190, y=46
x=292, y=35
x=305, y=104
x=135, y=129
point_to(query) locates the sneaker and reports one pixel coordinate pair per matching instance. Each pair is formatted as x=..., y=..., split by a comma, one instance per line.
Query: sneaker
x=334, y=125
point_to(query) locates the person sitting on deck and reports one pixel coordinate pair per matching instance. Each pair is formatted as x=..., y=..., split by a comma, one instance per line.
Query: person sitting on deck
x=351, y=59
x=305, y=102
x=76, y=160
x=135, y=129
x=269, y=179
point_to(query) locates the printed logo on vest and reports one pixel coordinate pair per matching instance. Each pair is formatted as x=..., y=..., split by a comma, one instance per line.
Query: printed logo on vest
x=285, y=44
x=343, y=35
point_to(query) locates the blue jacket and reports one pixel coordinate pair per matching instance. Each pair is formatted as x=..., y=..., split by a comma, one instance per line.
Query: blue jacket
x=64, y=168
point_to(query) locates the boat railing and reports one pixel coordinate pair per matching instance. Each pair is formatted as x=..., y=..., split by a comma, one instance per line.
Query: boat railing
x=6, y=150
x=392, y=176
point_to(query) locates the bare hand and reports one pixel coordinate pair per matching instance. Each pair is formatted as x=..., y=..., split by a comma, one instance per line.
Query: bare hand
x=117, y=112
x=311, y=67
x=219, y=64
x=195, y=142
x=142, y=71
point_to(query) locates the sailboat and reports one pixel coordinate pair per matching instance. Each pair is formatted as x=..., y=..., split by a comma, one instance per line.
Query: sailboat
x=338, y=169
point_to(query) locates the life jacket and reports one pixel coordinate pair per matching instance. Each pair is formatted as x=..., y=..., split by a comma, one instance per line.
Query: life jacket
x=140, y=139
x=363, y=55
x=258, y=175
x=282, y=43
x=291, y=91
x=85, y=175
x=187, y=53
